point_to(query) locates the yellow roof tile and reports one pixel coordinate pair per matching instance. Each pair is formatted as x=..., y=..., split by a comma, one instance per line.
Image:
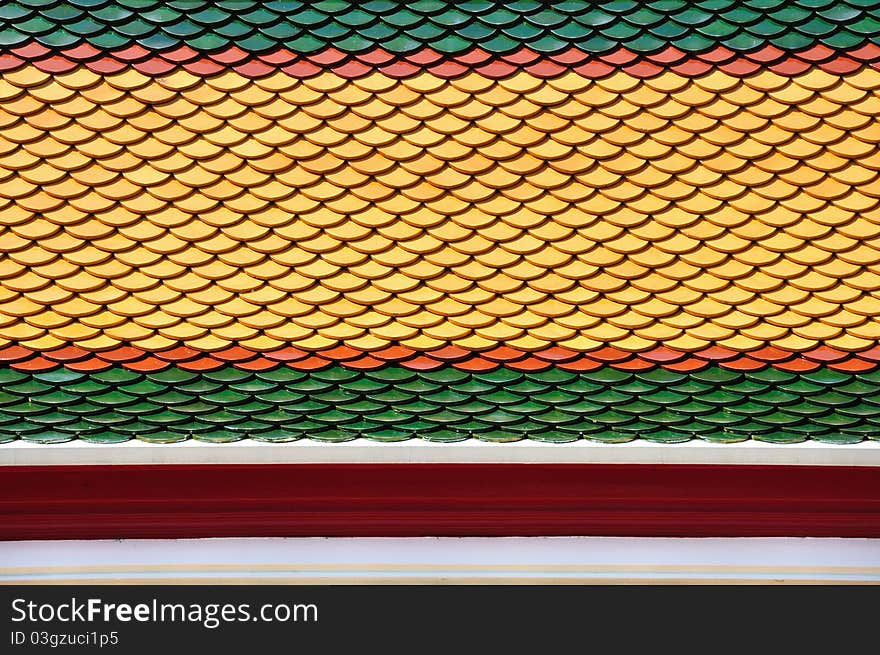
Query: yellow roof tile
x=663, y=192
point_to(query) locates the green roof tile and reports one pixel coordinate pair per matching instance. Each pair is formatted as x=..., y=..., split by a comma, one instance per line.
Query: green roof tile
x=445, y=404
x=448, y=27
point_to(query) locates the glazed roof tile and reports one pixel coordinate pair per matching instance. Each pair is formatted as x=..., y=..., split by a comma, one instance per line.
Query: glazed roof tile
x=497, y=27
x=20, y=358
x=529, y=211
x=219, y=402
x=555, y=221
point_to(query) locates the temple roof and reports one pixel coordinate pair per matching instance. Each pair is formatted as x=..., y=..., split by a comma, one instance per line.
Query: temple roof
x=334, y=220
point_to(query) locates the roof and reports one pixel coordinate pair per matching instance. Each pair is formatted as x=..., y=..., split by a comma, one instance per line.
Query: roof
x=497, y=27
x=605, y=221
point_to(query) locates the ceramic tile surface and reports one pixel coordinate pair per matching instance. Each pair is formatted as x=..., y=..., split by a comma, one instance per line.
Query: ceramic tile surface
x=448, y=27
x=445, y=404
x=333, y=220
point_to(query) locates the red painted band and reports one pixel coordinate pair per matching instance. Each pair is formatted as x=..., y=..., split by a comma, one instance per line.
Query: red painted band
x=73, y=357
x=353, y=66
x=180, y=501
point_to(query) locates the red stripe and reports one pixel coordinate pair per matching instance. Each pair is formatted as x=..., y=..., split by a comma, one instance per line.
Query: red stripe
x=75, y=358
x=353, y=66
x=179, y=501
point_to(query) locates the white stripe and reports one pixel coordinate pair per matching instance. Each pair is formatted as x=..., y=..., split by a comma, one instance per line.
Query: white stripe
x=461, y=560
x=811, y=453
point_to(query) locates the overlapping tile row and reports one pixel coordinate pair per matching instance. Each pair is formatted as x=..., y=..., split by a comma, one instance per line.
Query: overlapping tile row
x=428, y=60
x=449, y=27
x=392, y=403
x=675, y=211
x=80, y=359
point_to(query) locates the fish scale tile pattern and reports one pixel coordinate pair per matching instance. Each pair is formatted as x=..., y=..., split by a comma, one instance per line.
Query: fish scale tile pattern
x=428, y=212
x=444, y=405
x=335, y=220
x=449, y=27
x=80, y=359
